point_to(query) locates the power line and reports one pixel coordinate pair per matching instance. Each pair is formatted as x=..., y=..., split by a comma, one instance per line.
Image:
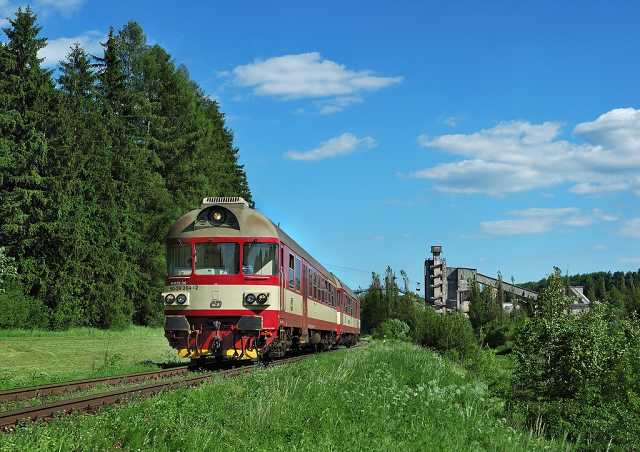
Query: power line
x=350, y=268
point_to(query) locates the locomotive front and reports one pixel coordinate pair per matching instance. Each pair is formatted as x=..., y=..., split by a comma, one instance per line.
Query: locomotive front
x=223, y=285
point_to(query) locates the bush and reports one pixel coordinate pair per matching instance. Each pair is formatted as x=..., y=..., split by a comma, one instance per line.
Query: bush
x=578, y=375
x=392, y=329
x=8, y=271
x=450, y=334
x=20, y=311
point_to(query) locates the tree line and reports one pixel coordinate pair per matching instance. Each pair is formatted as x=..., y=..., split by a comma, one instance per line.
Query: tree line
x=97, y=158
x=619, y=289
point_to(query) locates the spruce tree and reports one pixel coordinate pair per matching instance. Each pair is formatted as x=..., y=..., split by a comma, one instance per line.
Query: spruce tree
x=26, y=210
x=93, y=174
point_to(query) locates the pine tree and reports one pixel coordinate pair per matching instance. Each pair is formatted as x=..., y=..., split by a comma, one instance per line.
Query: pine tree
x=78, y=149
x=26, y=210
x=92, y=174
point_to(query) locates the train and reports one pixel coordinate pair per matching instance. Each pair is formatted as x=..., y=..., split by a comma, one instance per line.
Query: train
x=239, y=288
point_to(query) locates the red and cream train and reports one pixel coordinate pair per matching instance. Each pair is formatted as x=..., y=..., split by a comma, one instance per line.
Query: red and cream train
x=238, y=287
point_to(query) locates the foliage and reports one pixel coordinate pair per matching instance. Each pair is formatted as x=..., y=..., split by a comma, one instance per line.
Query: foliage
x=392, y=396
x=383, y=307
x=578, y=375
x=8, y=271
x=450, y=334
x=484, y=309
x=20, y=311
x=392, y=329
x=619, y=289
x=94, y=170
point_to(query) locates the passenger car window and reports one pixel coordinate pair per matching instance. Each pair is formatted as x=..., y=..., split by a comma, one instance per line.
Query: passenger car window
x=291, y=271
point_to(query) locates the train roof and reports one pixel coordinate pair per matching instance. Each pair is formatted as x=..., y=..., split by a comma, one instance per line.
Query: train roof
x=251, y=223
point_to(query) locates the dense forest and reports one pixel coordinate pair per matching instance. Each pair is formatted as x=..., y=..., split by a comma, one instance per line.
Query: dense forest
x=619, y=289
x=97, y=158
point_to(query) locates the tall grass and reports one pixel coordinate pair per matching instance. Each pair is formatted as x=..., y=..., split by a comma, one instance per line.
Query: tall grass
x=391, y=396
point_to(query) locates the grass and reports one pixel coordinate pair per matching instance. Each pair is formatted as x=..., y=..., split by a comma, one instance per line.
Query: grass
x=39, y=357
x=388, y=396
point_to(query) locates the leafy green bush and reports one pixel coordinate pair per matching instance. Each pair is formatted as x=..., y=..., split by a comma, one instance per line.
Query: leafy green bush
x=578, y=375
x=392, y=329
x=20, y=311
x=8, y=271
x=450, y=334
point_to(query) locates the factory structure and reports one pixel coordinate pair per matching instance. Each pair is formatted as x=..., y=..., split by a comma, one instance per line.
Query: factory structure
x=449, y=288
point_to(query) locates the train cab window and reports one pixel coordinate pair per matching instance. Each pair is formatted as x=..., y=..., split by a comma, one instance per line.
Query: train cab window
x=291, y=270
x=260, y=259
x=179, y=260
x=217, y=259
x=298, y=273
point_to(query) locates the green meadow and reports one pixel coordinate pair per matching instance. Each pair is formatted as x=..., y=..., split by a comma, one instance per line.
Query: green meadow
x=387, y=396
x=40, y=357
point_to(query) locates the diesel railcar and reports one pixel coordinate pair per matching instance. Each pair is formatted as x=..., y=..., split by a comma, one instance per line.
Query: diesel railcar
x=238, y=287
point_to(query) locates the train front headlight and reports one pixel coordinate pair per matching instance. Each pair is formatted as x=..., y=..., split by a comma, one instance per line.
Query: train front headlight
x=262, y=298
x=249, y=299
x=170, y=298
x=217, y=216
x=181, y=299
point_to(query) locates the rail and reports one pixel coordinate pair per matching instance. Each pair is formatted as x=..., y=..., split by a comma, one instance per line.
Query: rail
x=87, y=403
x=61, y=388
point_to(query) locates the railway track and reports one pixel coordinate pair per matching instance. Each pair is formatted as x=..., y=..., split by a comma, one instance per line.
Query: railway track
x=11, y=418
x=62, y=388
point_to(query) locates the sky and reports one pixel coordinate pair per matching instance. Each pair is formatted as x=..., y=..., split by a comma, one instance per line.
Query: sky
x=508, y=133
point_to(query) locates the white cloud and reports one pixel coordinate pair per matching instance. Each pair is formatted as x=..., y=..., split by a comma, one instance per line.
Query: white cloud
x=333, y=147
x=540, y=220
x=633, y=260
x=451, y=121
x=41, y=7
x=631, y=228
x=519, y=156
x=334, y=105
x=64, y=6
x=307, y=75
x=58, y=49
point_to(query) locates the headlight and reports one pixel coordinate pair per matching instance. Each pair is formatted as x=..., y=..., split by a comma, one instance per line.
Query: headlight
x=217, y=216
x=262, y=298
x=170, y=298
x=249, y=298
x=181, y=299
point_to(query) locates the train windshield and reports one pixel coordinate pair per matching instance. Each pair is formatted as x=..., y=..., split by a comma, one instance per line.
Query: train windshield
x=179, y=260
x=217, y=259
x=260, y=259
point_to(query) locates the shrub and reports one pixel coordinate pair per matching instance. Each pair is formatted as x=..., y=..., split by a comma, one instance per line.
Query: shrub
x=450, y=334
x=20, y=311
x=8, y=271
x=392, y=329
x=578, y=375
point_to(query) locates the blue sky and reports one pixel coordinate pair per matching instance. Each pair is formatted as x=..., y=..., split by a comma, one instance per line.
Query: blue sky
x=508, y=133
